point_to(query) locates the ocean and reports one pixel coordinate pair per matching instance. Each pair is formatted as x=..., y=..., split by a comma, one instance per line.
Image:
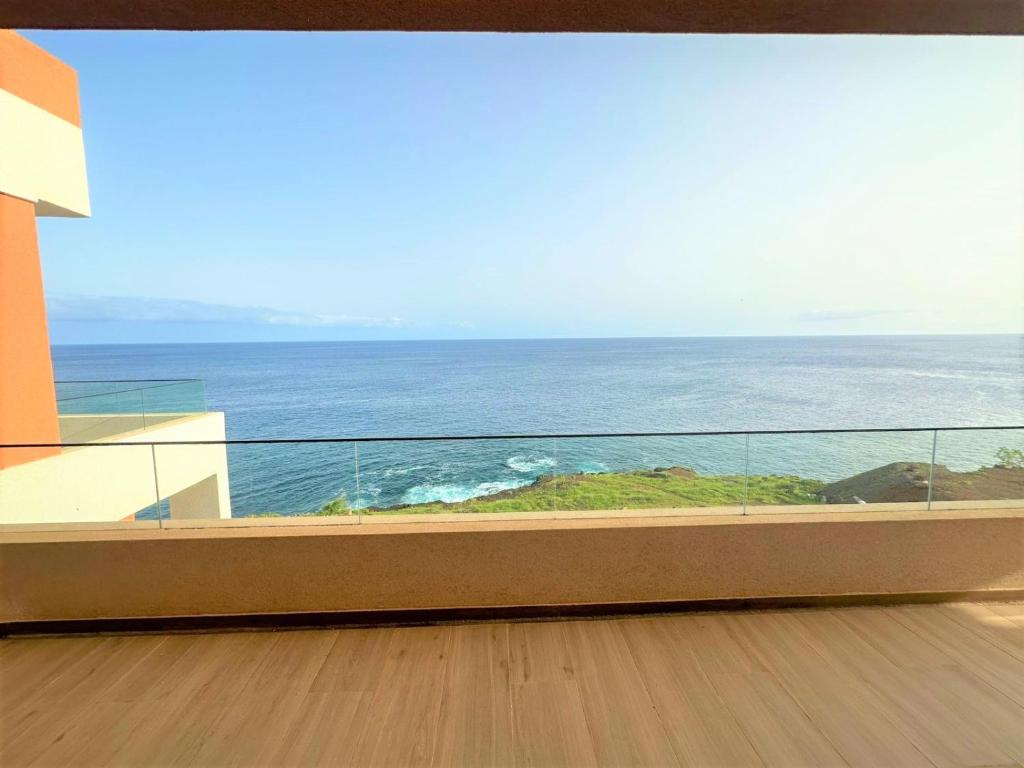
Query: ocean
x=393, y=388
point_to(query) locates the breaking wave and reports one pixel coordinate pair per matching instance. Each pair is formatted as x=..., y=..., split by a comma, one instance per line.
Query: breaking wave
x=528, y=464
x=451, y=493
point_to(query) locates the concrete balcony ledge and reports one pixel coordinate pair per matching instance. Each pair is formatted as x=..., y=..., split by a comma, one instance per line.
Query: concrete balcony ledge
x=116, y=427
x=261, y=527
x=690, y=516
x=328, y=573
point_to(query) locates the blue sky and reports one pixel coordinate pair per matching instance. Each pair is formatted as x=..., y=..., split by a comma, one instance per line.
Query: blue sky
x=250, y=186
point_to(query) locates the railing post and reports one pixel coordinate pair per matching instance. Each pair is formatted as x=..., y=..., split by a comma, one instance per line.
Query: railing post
x=931, y=467
x=556, y=478
x=156, y=485
x=355, y=447
x=746, y=469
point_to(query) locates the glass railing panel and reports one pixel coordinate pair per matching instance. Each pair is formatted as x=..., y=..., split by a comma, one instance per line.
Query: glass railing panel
x=182, y=395
x=177, y=397
x=977, y=466
x=192, y=482
x=413, y=480
x=548, y=477
x=401, y=480
x=688, y=474
x=299, y=481
x=88, y=486
x=100, y=416
x=97, y=410
x=849, y=468
x=79, y=390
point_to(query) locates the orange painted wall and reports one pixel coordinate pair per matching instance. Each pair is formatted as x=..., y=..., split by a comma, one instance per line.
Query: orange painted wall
x=32, y=74
x=28, y=406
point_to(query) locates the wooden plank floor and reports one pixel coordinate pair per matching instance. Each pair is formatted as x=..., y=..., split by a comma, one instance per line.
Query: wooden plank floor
x=937, y=685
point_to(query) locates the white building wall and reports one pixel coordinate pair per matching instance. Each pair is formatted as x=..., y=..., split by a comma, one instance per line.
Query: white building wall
x=99, y=483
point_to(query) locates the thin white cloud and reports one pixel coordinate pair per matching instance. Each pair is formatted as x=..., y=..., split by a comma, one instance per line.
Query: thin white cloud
x=139, y=309
x=834, y=316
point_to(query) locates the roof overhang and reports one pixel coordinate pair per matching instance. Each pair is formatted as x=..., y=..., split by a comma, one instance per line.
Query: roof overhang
x=971, y=17
x=42, y=155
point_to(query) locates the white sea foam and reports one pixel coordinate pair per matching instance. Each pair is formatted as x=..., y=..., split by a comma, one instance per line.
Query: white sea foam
x=938, y=375
x=391, y=472
x=422, y=494
x=591, y=467
x=366, y=498
x=528, y=464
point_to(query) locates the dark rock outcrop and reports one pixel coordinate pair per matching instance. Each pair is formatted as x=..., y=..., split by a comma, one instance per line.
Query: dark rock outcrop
x=906, y=481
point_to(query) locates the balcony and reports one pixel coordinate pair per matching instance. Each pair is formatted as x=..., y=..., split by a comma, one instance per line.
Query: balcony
x=106, y=468
x=885, y=568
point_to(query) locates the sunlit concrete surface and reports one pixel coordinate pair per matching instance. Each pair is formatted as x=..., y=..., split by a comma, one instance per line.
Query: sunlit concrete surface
x=253, y=569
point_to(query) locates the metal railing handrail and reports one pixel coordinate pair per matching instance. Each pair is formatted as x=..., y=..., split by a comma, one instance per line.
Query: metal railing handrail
x=534, y=436
x=165, y=383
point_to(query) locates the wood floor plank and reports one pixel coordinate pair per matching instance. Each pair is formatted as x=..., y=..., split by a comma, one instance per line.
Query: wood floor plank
x=197, y=691
x=986, y=709
x=774, y=723
x=58, y=717
x=913, y=699
x=989, y=625
x=624, y=724
x=1011, y=611
x=549, y=722
x=702, y=730
x=898, y=643
x=326, y=730
x=863, y=687
x=354, y=661
x=538, y=652
x=96, y=671
x=141, y=682
x=967, y=648
x=27, y=673
x=403, y=714
x=550, y=725
x=716, y=650
x=35, y=708
x=163, y=705
x=475, y=723
x=331, y=719
x=838, y=704
x=14, y=648
x=104, y=729
x=957, y=701
x=91, y=741
x=251, y=733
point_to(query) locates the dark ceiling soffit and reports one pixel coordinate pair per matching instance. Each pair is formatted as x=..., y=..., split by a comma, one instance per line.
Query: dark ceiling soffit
x=972, y=17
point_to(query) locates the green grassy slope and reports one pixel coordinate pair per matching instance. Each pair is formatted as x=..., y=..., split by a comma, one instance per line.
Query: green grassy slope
x=648, y=489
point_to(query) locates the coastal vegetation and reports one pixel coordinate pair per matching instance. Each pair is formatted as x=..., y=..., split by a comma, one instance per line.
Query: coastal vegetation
x=1010, y=458
x=334, y=508
x=681, y=487
x=645, y=489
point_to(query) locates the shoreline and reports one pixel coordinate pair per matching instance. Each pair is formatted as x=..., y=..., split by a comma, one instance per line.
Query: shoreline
x=682, y=487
